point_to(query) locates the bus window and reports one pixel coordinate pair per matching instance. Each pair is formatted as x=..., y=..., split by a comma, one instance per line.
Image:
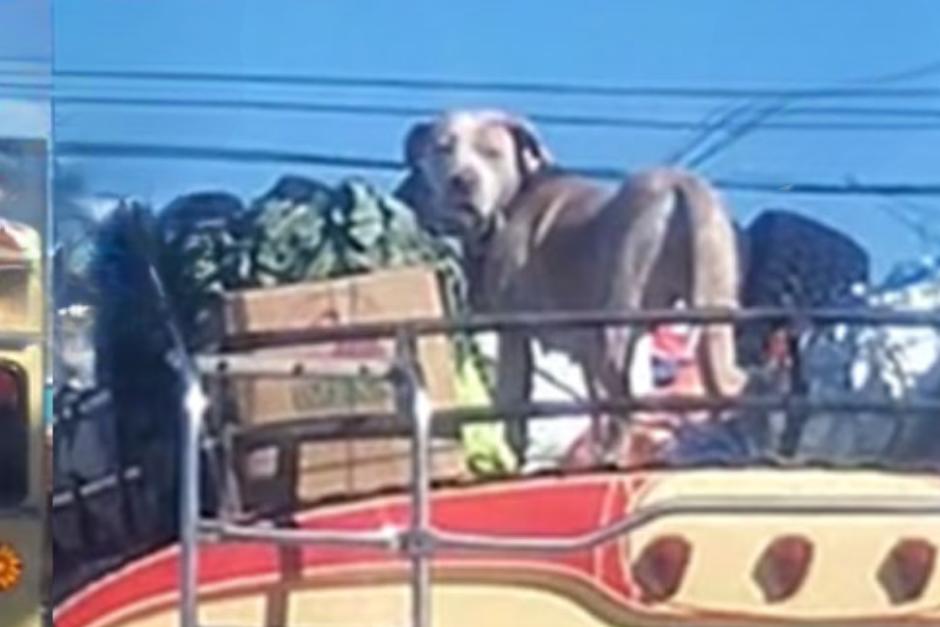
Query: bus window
x=14, y=442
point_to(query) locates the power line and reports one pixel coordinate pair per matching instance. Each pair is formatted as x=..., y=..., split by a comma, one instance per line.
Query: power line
x=780, y=105
x=931, y=68
x=517, y=87
x=242, y=155
x=548, y=119
x=906, y=112
x=34, y=61
x=235, y=155
x=715, y=121
x=37, y=89
x=756, y=121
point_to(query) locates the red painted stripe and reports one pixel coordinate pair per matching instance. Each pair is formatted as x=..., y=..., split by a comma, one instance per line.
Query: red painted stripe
x=615, y=555
x=534, y=509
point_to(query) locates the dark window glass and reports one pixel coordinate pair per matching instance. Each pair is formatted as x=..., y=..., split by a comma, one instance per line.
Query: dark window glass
x=14, y=434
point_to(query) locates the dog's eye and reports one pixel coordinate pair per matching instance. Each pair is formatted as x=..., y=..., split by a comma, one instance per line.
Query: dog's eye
x=491, y=152
x=444, y=145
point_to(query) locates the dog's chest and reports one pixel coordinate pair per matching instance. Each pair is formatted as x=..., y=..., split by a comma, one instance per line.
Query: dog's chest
x=510, y=282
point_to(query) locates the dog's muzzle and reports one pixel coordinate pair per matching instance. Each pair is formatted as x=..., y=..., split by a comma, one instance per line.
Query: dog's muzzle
x=483, y=230
x=465, y=215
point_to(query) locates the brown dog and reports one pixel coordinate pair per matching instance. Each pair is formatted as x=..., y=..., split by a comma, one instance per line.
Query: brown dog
x=545, y=240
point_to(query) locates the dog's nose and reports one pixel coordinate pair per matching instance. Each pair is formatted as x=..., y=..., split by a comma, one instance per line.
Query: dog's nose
x=464, y=181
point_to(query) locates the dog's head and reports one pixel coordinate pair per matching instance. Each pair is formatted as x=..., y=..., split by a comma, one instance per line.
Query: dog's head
x=469, y=165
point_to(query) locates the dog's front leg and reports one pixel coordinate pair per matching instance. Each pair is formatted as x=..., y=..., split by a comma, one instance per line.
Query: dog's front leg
x=514, y=387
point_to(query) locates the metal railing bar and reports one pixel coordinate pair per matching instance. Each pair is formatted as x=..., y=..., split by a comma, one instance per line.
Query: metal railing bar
x=245, y=366
x=412, y=401
x=190, y=506
x=16, y=265
x=413, y=409
x=20, y=511
x=394, y=539
x=448, y=422
x=365, y=425
x=389, y=539
x=96, y=487
x=19, y=337
x=715, y=506
x=579, y=319
x=651, y=404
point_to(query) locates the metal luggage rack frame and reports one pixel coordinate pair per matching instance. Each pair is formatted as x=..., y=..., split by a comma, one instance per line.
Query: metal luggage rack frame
x=420, y=540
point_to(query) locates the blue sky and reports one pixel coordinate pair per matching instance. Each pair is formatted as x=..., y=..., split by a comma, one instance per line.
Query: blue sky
x=25, y=30
x=715, y=43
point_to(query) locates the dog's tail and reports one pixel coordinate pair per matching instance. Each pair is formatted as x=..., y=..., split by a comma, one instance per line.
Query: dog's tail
x=714, y=277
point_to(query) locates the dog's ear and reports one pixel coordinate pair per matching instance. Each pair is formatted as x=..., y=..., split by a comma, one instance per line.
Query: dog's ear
x=531, y=152
x=414, y=190
x=416, y=142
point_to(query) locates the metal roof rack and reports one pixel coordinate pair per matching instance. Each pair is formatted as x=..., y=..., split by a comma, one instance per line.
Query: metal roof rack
x=420, y=540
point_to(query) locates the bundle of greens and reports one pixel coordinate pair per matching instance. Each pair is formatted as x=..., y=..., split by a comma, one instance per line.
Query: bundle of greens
x=301, y=230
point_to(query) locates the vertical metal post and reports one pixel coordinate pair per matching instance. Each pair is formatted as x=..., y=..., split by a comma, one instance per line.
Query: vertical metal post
x=796, y=418
x=413, y=402
x=194, y=408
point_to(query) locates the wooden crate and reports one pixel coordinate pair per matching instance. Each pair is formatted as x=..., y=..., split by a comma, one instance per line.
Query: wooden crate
x=350, y=465
x=393, y=295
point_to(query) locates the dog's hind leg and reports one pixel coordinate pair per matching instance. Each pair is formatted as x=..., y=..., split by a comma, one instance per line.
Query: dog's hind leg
x=636, y=222
x=641, y=214
x=604, y=383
